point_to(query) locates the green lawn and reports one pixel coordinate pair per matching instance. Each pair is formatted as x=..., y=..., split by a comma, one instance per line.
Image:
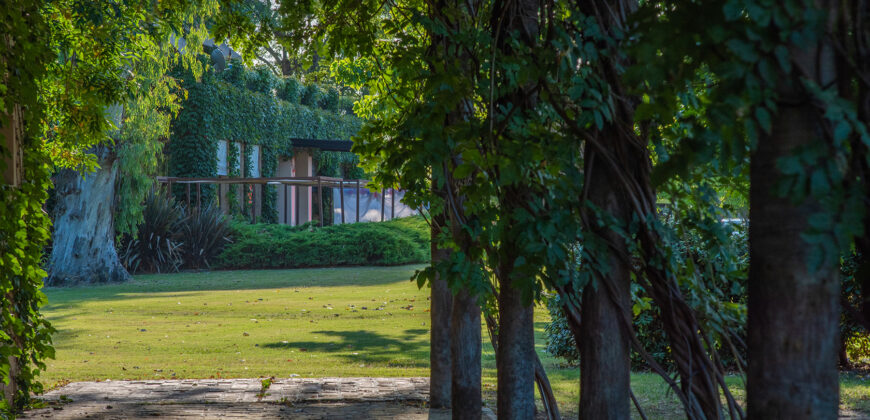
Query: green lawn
x=358, y=321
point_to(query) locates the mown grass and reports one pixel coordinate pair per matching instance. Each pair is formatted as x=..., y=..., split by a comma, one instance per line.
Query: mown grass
x=307, y=322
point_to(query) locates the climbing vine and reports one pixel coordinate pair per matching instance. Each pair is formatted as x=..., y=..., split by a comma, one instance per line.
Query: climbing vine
x=223, y=107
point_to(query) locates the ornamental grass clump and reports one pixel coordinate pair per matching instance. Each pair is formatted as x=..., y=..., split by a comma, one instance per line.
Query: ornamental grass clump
x=171, y=238
x=157, y=243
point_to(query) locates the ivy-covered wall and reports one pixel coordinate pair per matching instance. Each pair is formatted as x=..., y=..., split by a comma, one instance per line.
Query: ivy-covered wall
x=246, y=106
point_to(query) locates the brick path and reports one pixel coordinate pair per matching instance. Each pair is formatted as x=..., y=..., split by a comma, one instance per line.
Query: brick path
x=297, y=398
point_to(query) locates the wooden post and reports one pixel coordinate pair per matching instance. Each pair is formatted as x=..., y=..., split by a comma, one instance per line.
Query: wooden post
x=341, y=194
x=383, y=203
x=357, y=201
x=188, y=197
x=198, y=196
x=220, y=192
x=286, y=205
x=393, y=204
x=320, y=201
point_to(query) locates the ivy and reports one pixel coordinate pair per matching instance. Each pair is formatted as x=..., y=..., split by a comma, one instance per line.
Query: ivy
x=221, y=107
x=25, y=334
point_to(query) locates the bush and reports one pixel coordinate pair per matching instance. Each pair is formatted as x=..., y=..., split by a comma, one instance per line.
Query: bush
x=157, y=246
x=400, y=241
x=724, y=289
x=330, y=99
x=262, y=80
x=560, y=339
x=206, y=231
x=345, y=104
x=235, y=74
x=169, y=239
x=290, y=90
x=312, y=95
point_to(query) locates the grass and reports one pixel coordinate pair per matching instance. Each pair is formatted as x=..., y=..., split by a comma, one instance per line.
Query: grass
x=358, y=321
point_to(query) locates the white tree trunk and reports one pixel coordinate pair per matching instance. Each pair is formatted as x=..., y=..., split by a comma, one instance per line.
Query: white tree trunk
x=84, y=230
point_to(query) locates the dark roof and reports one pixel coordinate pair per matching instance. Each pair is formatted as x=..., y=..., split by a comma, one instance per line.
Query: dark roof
x=326, y=145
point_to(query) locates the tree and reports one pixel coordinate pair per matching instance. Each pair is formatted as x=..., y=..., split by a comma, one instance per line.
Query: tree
x=84, y=236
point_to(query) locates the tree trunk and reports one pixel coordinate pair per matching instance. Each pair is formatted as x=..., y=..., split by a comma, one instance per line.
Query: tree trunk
x=83, y=249
x=604, y=350
x=465, y=351
x=515, y=355
x=514, y=22
x=793, y=308
x=439, y=344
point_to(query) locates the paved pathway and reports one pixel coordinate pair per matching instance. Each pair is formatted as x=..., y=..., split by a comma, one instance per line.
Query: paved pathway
x=297, y=398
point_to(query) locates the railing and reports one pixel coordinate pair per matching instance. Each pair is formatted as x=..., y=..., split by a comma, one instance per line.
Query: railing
x=319, y=182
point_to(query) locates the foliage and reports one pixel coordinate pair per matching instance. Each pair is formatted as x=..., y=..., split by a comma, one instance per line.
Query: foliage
x=70, y=61
x=261, y=80
x=722, y=299
x=157, y=246
x=312, y=95
x=171, y=237
x=290, y=90
x=25, y=334
x=560, y=340
x=399, y=241
x=218, y=108
x=205, y=232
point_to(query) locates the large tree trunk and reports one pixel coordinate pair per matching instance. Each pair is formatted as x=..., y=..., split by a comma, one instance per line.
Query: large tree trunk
x=515, y=355
x=604, y=344
x=440, y=377
x=793, y=311
x=793, y=308
x=83, y=248
x=465, y=351
x=516, y=344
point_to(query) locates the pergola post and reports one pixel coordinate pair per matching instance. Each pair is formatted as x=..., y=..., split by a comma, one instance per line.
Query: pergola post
x=286, y=205
x=393, y=204
x=383, y=202
x=188, y=196
x=357, y=200
x=198, y=196
x=341, y=194
x=320, y=201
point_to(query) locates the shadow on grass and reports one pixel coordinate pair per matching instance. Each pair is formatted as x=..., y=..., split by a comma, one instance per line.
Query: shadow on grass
x=411, y=349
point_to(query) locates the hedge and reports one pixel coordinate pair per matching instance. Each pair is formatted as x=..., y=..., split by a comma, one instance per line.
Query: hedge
x=399, y=241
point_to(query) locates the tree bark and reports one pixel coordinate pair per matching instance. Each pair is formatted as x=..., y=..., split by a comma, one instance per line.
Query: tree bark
x=604, y=346
x=440, y=376
x=515, y=355
x=83, y=249
x=793, y=312
x=793, y=308
x=465, y=352
x=514, y=21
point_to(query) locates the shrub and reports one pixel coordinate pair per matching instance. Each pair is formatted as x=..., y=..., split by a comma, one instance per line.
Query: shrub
x=168, y=238
x=235, y=74
x=724, y=290
x=206, y=231
x=345, y=104
x=560, y=340
x=290, y=90
x=312, y=94
x=400, y=241
x=262, y=80
x=157, y=246
x=330, y=99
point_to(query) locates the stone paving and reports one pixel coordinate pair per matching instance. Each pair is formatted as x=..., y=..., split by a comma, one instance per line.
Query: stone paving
x=296, y=398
